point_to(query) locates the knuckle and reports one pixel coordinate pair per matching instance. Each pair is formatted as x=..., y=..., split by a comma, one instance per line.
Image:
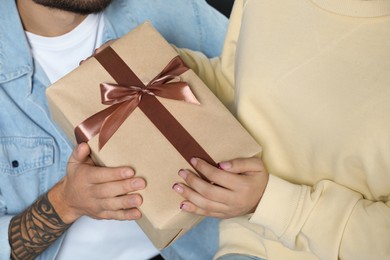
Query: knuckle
x=104, y=214
x=125, y=203
x=207, y=206
x=126, y=185
x=185, y=191
x=205, y=212
x=201, y=165
x=208, y=193
x=257, y=162
x=104, y=193
x=246, y=189
x=188, y=194
x=224, y=216
x=104, y=204
x=190, y=178
x=212, y=176
x=95, y=176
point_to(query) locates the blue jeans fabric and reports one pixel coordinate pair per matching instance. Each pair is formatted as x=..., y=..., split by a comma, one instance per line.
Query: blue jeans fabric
x=200, y=243
x=239, y=257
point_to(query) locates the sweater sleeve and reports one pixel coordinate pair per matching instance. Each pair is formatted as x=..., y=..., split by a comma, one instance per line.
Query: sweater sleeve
x=327, y=219
x=209, y=70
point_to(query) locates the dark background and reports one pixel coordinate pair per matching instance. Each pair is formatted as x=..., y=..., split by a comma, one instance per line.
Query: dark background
x=224, y=6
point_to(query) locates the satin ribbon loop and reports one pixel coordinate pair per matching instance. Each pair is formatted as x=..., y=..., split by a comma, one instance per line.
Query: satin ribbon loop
x=114, y=93
x=123, y=99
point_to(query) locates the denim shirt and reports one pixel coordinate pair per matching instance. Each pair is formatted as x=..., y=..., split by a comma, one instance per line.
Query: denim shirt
x=33, y=151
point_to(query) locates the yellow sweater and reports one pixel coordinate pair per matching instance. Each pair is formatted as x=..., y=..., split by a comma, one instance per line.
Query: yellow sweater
x=310, y=80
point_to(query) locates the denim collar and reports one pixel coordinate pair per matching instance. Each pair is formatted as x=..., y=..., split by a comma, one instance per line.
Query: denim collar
x=15, y=56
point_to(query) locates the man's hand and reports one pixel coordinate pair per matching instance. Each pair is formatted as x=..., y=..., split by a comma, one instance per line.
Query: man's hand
x=97, y=192
x=235, y=188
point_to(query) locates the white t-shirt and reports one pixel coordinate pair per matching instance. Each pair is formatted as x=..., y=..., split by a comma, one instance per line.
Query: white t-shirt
x=88, y=238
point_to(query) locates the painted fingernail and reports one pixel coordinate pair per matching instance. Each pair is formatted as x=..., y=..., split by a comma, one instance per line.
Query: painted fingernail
x=224, y=165
x=193, y=161
x=178, y=188
x=183, y=174
x=184, y=206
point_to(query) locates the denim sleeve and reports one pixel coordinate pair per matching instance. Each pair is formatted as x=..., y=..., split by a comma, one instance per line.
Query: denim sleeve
x=212, y=26
x=201, y=242
x=191, y=24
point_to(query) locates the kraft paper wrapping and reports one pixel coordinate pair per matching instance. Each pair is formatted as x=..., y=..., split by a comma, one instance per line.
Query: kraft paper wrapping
x=138, y=143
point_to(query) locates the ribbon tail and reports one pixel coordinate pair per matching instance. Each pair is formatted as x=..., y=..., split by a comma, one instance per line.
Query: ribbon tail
x=92, y=125
x=113, y=121
x=175, y=67
x=175, y=90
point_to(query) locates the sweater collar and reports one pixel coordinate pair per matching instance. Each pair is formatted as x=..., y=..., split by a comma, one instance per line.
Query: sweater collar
x=356, y=8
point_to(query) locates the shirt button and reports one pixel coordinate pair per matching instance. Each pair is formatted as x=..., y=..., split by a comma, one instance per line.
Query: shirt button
x=15, y=164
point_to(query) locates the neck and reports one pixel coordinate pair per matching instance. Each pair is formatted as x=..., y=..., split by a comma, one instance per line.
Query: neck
x=46, y=21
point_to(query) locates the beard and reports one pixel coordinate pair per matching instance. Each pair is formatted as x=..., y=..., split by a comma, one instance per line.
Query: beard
x=83, y=7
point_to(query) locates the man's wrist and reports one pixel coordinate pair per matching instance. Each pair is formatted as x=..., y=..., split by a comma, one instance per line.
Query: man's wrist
x=57, y=199
x=35, y=229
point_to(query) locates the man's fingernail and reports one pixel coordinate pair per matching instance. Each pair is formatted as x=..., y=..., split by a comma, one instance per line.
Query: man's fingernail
x=138, y=184
x=135, y=214
x=127, y=173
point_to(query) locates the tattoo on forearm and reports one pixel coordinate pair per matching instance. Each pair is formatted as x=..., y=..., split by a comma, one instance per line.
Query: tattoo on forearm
x=32, y=231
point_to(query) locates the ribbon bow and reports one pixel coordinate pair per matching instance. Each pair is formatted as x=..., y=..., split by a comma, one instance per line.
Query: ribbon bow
x=123, y=98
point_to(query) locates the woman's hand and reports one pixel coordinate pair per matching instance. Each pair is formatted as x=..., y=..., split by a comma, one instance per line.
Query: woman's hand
x=235, y=188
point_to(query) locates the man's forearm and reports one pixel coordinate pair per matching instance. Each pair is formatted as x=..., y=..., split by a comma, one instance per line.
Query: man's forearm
x=35, y=229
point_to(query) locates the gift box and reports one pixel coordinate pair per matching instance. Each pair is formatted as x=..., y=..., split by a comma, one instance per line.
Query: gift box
x=138, y=105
